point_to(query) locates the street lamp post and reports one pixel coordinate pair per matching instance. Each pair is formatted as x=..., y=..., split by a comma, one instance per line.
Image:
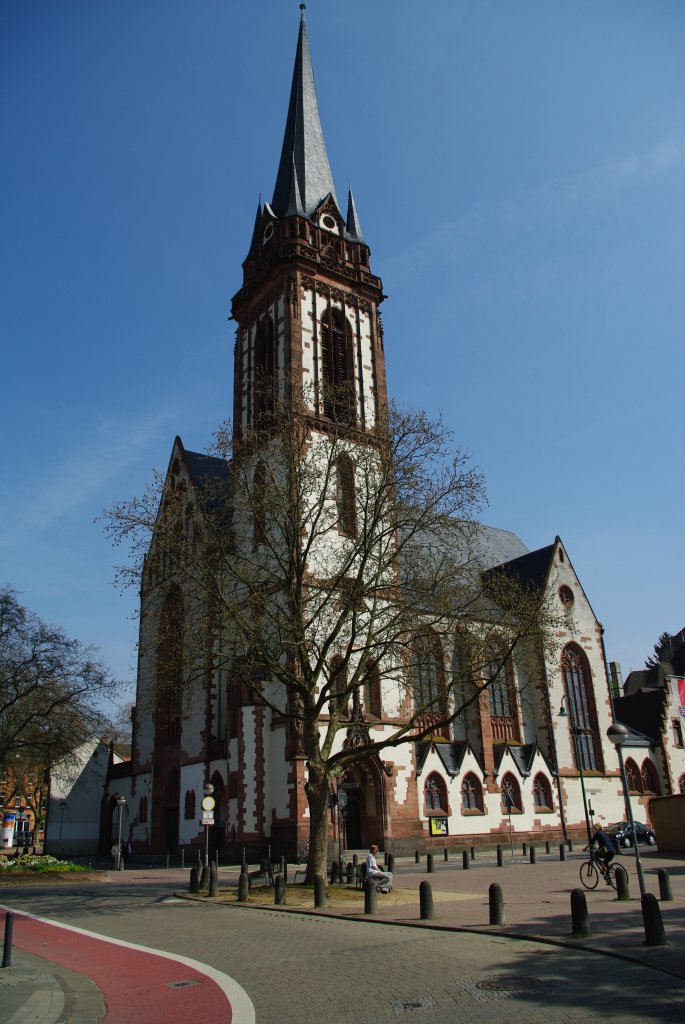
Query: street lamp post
x=574, y=733
x=208, y=789
x=120, y=804
x=618, y=734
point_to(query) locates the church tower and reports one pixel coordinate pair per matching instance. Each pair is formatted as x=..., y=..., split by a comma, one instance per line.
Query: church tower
x=307, y=313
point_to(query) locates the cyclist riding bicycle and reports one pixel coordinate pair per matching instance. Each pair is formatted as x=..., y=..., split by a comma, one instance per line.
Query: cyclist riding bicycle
x=604, y=849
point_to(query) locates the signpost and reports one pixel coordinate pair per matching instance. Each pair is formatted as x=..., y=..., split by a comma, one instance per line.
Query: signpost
x=208, y=805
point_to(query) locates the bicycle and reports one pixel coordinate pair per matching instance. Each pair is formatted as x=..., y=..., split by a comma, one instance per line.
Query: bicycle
x=591, y=870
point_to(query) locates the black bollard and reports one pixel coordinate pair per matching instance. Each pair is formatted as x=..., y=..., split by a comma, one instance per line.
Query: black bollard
x=319, y=891
x=426, y=901
x=547, y=846
x=390, y=863
x=334, y=872
x=665, y=894
x=562, y=851
x=355, y=860
x=533, y=855
x=525, y=849
x=496, y=901
x=350, y=872
x=417, y=857
x=446, y=854
x=472, y=853
x=213, y=880
x=370, y=899
x=243, y=860
x=622, y=890
x=284, y=869
x=580, y=922
x=7, y=949
x=243, y=868
x=465, y=863
x=204, y=879
x=279, y=890
x=500, y=856
x=651, y=917
x=243, y=887
x=194, y=886
x=570, y=846
x=429, y=863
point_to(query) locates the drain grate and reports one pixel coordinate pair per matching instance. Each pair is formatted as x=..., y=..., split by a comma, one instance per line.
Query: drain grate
x=411, y=1005
x=510, y=986
x=186, y=983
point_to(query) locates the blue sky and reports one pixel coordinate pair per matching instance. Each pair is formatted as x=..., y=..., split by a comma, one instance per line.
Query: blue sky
x=518, y=170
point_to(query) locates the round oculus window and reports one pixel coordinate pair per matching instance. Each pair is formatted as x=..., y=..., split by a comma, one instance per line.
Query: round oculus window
x=566, y=596
x=328, y=222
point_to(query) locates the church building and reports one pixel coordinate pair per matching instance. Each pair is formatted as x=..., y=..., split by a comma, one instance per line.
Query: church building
x=307, y=315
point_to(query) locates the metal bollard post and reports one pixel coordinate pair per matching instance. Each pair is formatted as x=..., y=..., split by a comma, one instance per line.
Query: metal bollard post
x=429, y=863
x=570, y=846
x=580, y=922
x=465, y=863
x=355, y=859
x=500, y=856
x=183, y=859
x=350, y=872
x=547, y=848
x=417, y=857
x=472, y=853
x=279, y=890
x=243, y=887
x=651, y=917
x=426, y=902
x=496, y=901
x=562, y=851
x=370, y=900
x=390, y=863
x=446, y=854
x=284, y=869
x=622, y=890
x=204, y=878
x=7, y=950
x=194, y=886
x=525, y=849
x=213, y=880
x=533, y=855
x=665, y=893
x=334, y=872
x=319, y=891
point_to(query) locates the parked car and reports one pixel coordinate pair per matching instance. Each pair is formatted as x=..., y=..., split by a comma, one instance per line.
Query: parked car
x=622, y=834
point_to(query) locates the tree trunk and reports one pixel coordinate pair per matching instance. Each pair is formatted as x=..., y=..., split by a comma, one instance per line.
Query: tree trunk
x=318, y=789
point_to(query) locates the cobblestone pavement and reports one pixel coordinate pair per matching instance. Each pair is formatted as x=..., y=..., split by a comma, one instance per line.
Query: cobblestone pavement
x=298, y=968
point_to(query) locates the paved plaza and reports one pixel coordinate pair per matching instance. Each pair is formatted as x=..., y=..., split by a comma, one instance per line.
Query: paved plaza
x=340, y=968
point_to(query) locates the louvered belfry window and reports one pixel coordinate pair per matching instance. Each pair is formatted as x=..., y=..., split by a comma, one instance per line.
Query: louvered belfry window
x=336, y=366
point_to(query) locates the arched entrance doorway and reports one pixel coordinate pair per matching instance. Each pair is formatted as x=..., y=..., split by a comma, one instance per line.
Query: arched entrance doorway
x=365, y=815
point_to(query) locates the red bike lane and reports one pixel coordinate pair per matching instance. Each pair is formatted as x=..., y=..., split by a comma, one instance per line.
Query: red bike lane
x=139, y=986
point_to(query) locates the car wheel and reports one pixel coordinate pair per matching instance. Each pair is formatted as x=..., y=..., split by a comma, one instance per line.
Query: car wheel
x=651, y=839
x=626, y=843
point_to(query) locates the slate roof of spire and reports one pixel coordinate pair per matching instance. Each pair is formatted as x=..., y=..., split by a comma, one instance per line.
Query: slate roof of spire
x=353, y=229
x=304, y=150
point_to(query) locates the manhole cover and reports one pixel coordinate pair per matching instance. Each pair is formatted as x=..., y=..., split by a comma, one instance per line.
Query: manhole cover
x=186, y=983
x=509, y=984
x=411, y=1005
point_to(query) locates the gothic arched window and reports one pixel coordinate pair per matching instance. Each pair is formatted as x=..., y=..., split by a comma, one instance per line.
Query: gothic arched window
x=633, y=776
x=435, y=794
x=170, y=663
x=338, y=682
x=264, y=367
x=189, y=809
x=345, y=495
x=511, y=794
x=337, y=377
x=542, y=793
x=372, y=689
x=650, y=781
x=583, y=714
x=471, y=793
x=259, y=504
x=499, y=678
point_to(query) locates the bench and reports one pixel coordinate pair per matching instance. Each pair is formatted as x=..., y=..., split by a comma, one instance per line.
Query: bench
x=264, y=872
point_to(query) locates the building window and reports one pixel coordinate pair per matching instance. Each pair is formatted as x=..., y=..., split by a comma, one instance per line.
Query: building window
x=542, y=793
x=372, y=690
x=582, y=714
x=435, y=794
x=471, y=793
x=633, y=776
x=498, y=677
x=345, y=495
x=338, y=684
x=677, y=732
x=259, y=505
x=336, y=366
x=264, y=368
x=170, y=663
x=511, y=795
x=189, y=809
x=428, y=674
x=650, y=782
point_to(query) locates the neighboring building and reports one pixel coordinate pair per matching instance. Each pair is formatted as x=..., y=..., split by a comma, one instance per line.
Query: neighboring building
x=309, y=304
x=23, y=801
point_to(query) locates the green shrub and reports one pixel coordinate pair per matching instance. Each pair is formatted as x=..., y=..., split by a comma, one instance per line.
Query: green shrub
x=31, y=862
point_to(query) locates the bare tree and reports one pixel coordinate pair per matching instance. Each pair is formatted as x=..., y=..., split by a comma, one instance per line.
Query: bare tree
x=319, y=563
x=51, y=689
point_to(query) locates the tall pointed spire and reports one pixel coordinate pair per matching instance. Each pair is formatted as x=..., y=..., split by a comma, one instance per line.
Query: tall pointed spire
x=354, y=232
x=303, y=156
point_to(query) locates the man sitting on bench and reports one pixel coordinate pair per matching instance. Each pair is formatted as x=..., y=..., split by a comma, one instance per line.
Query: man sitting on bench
x=383, y=879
